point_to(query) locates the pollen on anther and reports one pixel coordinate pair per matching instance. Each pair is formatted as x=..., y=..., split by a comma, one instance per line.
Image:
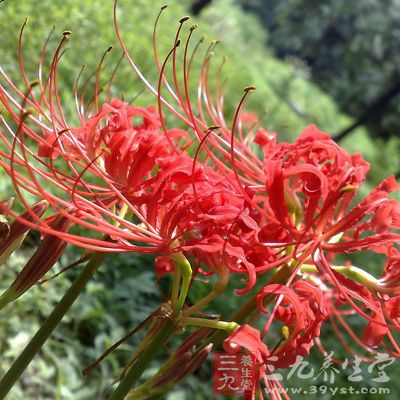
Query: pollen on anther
x=249, y=88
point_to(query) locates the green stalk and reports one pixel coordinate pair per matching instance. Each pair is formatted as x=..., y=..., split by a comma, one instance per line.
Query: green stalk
x=218, y=289
x=210, y=323
x=184, y=271
x=36, y=343
x=175, y=286
x=145, y=358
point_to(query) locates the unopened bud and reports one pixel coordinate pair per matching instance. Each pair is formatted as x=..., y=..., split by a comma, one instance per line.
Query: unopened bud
x=46, y=255
x=4, y=225
x=4, y=228
x=194, y=363
x=18, y=230
x=174, y=371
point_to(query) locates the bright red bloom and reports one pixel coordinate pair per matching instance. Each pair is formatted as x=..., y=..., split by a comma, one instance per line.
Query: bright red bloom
x=136, y=184
x=302, y=310
x=249, y=338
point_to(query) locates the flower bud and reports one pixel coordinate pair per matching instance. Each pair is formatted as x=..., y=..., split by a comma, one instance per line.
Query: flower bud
x=46, y=255
x=17, y=230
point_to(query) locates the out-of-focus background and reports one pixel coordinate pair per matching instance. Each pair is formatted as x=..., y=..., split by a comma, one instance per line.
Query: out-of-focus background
x=333, y=63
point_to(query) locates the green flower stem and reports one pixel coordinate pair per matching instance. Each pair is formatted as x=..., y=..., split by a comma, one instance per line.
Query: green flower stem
x=210, y=323
x=175, y=286
x=350, y=271
x=184, y=270
x=218, y=289
x=147, y=355
x=21, y=363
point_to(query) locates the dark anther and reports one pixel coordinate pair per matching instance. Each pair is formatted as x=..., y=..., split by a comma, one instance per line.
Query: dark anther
x=183, y=19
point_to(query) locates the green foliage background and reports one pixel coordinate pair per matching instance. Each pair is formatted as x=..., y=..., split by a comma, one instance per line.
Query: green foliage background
x=124, y=291
x=351, y=47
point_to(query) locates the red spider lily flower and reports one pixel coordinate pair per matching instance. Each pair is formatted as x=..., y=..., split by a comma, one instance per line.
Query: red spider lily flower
x=105, y=160
x=302, y=310
x=90, y=204
x=110, y=167
x=310, y=186
x=249, y=338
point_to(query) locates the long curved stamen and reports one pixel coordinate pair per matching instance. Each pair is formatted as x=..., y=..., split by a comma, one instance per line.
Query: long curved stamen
x=40, y=67
x=112, y=77
x=159, y=101
x=175, y=91
x=96, y=86
x=195, y=159
x=351, y=333
x=78, y=104
x=162, y=8
x=219, y=93
x=321, y=262
x=232, y=152
x=56, y=118
x=140, y=74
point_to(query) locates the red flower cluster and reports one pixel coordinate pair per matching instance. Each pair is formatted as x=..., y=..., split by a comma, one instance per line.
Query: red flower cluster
x=204, y=192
